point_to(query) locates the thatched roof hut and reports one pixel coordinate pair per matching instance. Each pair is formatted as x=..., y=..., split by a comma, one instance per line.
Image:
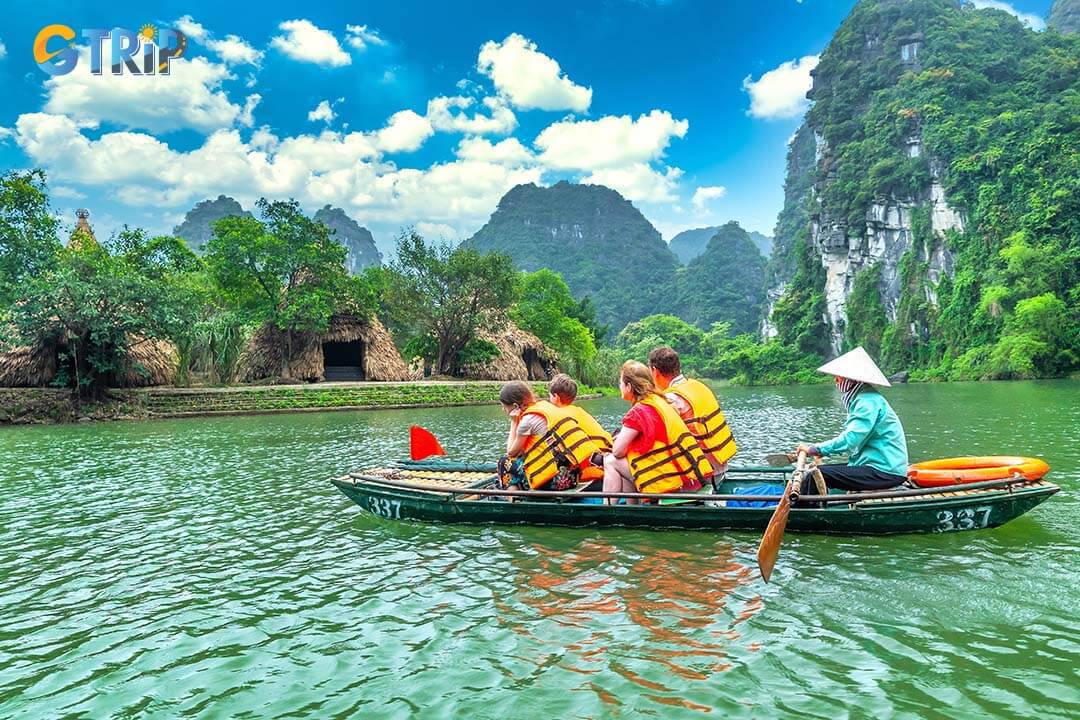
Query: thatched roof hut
x=149, y=361
x=522, y=356
x=351, y=349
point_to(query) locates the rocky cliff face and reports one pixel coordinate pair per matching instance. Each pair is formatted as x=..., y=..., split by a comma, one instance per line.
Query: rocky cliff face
x=887, y=44
x=197, y=226
x=884, y=238
x=356, y=239
x=1065, y=16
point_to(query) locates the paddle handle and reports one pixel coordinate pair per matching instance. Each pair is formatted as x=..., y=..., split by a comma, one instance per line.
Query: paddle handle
x=797, y=476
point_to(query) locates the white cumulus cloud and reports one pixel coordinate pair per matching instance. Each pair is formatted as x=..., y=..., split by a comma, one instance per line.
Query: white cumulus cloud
x=191, y=97
x=612, y=141
x=405, y=131
x=360, y=36
x=447, y=114
x=639, y=182
x=507, y=152
x=705, y=193
x=233, y=50
x=781, y=92
x=529, y=78
x=3, y=50
x=323, y=112
x=1032, y=20
x=306, y=42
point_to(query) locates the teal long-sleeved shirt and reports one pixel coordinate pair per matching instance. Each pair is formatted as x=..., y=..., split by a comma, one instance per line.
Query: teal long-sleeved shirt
x=872, y=436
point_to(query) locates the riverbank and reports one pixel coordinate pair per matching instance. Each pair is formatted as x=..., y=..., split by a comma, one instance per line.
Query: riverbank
x=20, y=406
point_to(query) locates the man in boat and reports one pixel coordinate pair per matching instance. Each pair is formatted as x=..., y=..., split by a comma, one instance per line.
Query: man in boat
x=654, y=451
x=873, y=438
x=562, y=391
x=547, y=447
x=697, y=406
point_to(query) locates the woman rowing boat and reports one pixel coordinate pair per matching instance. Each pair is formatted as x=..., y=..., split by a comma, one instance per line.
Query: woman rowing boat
x=873, y=438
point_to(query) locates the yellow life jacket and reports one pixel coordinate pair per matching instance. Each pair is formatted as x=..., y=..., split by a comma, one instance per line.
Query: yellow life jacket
x=597, y=434
x=666, y=466
x=564, y=437
x=707, y=421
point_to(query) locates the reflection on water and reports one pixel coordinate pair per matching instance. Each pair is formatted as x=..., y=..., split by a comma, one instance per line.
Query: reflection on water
x=205, y=568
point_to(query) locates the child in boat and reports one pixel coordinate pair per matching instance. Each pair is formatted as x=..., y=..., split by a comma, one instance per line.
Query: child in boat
x=697, y=406
x=873, y=438
x=654, y=451
x=516, y=398
x=562, y=391
x=547, y=447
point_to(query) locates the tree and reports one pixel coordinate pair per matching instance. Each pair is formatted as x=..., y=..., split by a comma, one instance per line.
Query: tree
x=546, y=309
x=28, y=241
x=95, y=307
x=446, y=294
x=284, y=269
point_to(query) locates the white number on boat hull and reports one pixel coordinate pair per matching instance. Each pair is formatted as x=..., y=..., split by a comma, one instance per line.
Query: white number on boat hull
x=385, y=508
x=963, y=519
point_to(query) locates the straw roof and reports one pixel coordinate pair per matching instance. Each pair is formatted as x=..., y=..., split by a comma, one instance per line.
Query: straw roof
x=149, y=362
x=28, y=366
x=262, y=357
x=522, y=356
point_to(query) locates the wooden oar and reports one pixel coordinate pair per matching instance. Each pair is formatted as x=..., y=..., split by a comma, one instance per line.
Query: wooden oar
x=769, y=548
x=779, y=460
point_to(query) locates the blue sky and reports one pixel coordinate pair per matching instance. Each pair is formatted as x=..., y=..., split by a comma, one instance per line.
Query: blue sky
x=423, y=113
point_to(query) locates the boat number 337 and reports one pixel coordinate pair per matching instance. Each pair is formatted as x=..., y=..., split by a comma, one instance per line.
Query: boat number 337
x=963, y=519
x=385, y=508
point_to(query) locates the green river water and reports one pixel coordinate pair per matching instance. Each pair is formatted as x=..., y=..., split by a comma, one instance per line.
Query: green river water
x=206, y=568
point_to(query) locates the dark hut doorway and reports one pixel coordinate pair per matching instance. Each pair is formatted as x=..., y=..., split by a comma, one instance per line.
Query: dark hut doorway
x=535, y=367
x=343, y=360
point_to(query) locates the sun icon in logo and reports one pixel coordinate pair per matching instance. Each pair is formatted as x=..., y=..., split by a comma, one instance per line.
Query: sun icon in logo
x=148, y=33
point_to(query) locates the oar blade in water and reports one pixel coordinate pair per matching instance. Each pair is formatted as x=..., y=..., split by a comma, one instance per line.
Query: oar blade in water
x=769, y=548
x=779, y=460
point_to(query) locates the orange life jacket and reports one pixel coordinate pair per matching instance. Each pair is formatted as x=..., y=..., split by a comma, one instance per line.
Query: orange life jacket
x=667, y=467
x=707, y=421
x=565, y=438
x=597, y=434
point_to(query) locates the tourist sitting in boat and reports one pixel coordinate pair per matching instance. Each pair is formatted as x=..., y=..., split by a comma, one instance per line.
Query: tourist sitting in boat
x=562, y=391
x=873, y=438
x=697, y=406
x=654, y=451
x=547, y=447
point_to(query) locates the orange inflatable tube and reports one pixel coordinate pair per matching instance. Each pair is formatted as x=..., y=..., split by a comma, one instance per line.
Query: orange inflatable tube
x=954, y=471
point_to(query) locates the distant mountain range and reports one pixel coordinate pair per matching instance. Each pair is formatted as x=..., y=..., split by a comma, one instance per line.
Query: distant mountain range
x=688, y=244
x=197, y=228
x=595, y=238
x=606, y=249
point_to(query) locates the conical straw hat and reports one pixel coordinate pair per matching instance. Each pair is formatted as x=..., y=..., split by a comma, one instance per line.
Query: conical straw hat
x=856, y=365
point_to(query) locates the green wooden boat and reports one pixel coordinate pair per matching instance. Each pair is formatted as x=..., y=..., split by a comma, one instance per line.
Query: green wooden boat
x=441, y=491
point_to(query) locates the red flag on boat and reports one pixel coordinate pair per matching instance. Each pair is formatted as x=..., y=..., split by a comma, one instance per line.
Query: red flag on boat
x=422, y=443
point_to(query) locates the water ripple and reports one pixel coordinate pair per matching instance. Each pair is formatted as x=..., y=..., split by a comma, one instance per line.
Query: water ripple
x=205, y=568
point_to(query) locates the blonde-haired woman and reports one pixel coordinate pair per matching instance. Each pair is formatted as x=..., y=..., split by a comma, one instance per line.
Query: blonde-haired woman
x=654, y=451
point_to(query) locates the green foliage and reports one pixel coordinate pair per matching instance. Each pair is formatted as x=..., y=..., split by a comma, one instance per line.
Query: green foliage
x=716, y=353
x=866, y=319
x=726, y=283
x=95, y=306
x=799, y=314
x=286, y=270
x=447, y=294
x=28, y=242
x=546, y=308
x=997, y=106
x=600, y=244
